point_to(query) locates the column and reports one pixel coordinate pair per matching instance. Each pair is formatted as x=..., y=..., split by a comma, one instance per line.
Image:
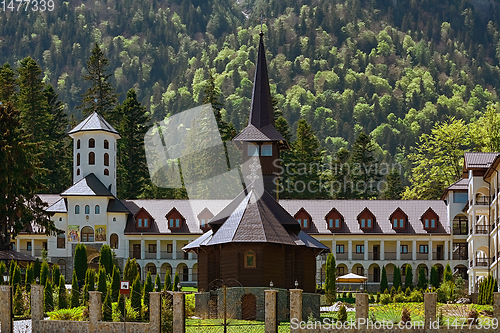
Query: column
x=382, y=250
x=95, y=310
x=143, y=248
x=398, y=250
x=295, y=308
x=446, y=250
x=361, y=308
x=270, y=311
x=18, y=244
x=174, y=249
x=154, y=312
x=32, y=247
x=366, y=250
x=158, y=249
x=349, y=250
x=179, y=304
x=414, y=250
x=127, y=249
x=6, y=309
x=430, y=249
x=334, y=247
x=430, y=300
x=36, y=307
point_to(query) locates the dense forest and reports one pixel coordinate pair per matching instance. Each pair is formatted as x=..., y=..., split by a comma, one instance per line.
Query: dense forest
x=399, y=71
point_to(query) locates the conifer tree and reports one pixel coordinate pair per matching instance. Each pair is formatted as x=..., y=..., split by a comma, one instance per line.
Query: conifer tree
x=168, y=282
x=29, y=277
x=80, y=261
x=422, y=279
x=115, y=284
x=63, y=298
x=434, y=280
x=393, y=188
x=107, y=310
x=89, y=283
x=36, y=269
x=55, y=275
x=409, y=277
x=7, y=83
x=101, y=283
x=158, y=283
x=177, y=280
x=44, y=274
x=396, y=280
x=330, y=279
x=48, y=300
x=121, y=305
x=106, y=259
x=448, y=275
x=383, y=280
x=136, y=295
x=364, y=171
x=75, y=291
x=130, y=271
x=148, y=288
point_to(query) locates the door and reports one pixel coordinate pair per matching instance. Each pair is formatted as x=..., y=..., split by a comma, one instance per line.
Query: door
x=376, y=252
x=137, y=251
x=249, y=307
x=376, y=274
x=439, y=252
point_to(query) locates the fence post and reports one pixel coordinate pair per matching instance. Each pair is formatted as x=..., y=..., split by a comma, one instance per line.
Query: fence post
x=6, y=309
x=361, y=309
x=295, y=308
x=496, y=305
x=95, y=310
x=154, y=312
x=270, y=311
x=179, y=308
x=430, y=300
x=36, y=307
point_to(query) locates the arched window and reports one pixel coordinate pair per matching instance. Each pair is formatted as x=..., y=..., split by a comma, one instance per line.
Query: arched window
x=250, y=259
x=106, y=159
x=62, y=267
x=78, y=159
x=106, y=172
x=77, y=209
x=61, y=241
x=97, y=209
x=87, y=209
x=78, y=172
x=91, y=143
x=106, y=144
x=78, y=144
x=91, y=158
x=113, y=241
x=87, y=234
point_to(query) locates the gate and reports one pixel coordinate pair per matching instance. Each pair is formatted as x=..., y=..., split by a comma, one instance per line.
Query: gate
x=166, y=312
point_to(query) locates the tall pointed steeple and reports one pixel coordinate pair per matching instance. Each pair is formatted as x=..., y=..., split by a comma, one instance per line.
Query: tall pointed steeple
x=260, y=137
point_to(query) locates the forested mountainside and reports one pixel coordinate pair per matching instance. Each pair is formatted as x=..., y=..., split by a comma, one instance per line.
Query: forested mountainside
x=391, y=69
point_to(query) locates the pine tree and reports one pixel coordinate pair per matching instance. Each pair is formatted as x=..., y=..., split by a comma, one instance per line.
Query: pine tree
x=383, y=280
x=48, y=300
x=158, y=283
x=132, y=168
x=148, y=288
x=130, y=271
x=422, y=279
x=177, y=280
x=106, y=259
x=63, y=298
x=101, y=283
x=80, y=261
x=168, y=282
x=121, y=305
x=448, y=275
x=17, y=278
x=330, y=280
x=396, y=280
x=29, y=277
x=409, y=277
x=75, y=292
x=44, y=274
x=7, y=83
x=115, y=286
x=364, y=171
x=107, y=310
x=55, y=275
x=101, y=96
x=89, y=283
x=434, y=277
x=136, y=295
x=393, y=188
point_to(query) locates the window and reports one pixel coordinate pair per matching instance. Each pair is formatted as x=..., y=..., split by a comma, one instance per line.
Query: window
x=369, y=223
x=250, y=259
x=171, y=223
x=363, y=223
x=433, y=223
x=426, y=223
x=87, y=209
x=340, y=270
x=106, y=172
x=139, y=223
x=28, y=246
x=360, y=249
x=113, y=241
x=152, y=269
x=87, y=234
x=424, y=249
x=106, y=144
x=77, y=209
x=203, y=223
x=62, y=267
x=152, y=248
x=169, y=248
x=78, y=172
x=430, y=219
x=91, y=158
x=177, y=223
x=360, y=271
x=78, y=159
x=340, y=248
x=460, y=197
x=334, y=219
x=175, y=219
x=401, y=223
x=337, y=223
x=97, y=209
x=460, y=223
x=366, y=219
x=395, y=223
x=304, y=223
x=61, y=241
x=266, y=149
x=78, y=144
x=91, y=143
x=60, y=219
x=106, y=159
x=146, y=223
x=253, y=150
x=404, y=248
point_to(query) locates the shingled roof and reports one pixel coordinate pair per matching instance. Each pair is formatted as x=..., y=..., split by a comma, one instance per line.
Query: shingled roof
x=88, y=186
x=475, y=160
x=94, y=122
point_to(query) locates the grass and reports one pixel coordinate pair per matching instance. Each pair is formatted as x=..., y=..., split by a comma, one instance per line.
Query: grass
x=234, y=325
x=190, y=289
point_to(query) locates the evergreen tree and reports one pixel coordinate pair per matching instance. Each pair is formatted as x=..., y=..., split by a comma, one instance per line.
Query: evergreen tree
x=364, y=168
x=434, y=280
x=48, y=300
x=177, y=281
x=121, y=305
x=36, y=269
x=132, y=168
x=393, y=187
x=80, y=262
x=29, y=277
x=89, y=283
x=63, y=298
x=330, y=280
x=7, y=83
x=75, y=291
x=281, y=125
x=115, y=286
x=17, y=278
x=148, y=288
x=408, y=277
x=44, y=274
x=158, y=283
x=106, y=259
x=168, y=282
x=55, y=275
x=396, y=278
x=101, y=96
x=3, y=268
x=384, y=285
x=101, y=283
x=136, y=295
x=448, y=275
x=422, y=279
x=130, y=271
x=107, y=310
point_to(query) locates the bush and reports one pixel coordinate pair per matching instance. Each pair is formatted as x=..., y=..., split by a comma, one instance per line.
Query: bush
x=56, y=273
x=48, y=298
x=74, y=314
x=190, y=305
x=349, y=295
x=378, y=297
x=399, y=298
x=416, y=296
x=407, y=292
x=342, y=314
x=19, y=303
x=393, y=291
x=372, y=299
x=115, y=285
x=441, y=296
x=75, y=293
x=44, y=274
x=135, y=297
x=62, y=294
x=107, y=309
x=80, y=261
x=448, y=289
x=385, y=299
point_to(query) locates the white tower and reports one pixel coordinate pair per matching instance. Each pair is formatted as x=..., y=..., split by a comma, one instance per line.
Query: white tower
x=94, y=142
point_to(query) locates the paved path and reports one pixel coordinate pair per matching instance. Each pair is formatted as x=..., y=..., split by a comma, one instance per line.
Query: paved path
x=22, y=326
x=335, y=307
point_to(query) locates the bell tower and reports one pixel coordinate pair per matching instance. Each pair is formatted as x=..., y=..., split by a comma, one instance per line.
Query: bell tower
x=94, y=150
x=260, y=138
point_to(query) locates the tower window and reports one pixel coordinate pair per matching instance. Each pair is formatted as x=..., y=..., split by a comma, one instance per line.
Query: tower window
x=91, y=143
x=77, y=209
x=61, y=238
x=106, y=144
x=87, y=209
x=106, y=172
x=250, y=259
x=91, y=158
x=78, y=144
x=97, y=209
x=266, y=149
x=78, y=172
x=106, y=159
x=78, y=159
x=253, y=150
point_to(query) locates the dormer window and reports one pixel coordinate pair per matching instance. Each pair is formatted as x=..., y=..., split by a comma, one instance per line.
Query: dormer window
x=334, y=219
x=398, y=219
x=304, y=219
x=204, y=216
x=366, y=219
x=430, y=220
x=175, y=219
x=143, y=219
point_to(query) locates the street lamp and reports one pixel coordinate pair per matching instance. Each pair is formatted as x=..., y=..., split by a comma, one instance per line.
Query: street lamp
x=179, y=286
x=430, y=287
x=6, y=277
x=37, y=280
x=296, y=284
x=271, y=284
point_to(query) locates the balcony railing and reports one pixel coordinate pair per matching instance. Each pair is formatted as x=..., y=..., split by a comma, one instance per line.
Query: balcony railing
x=422, y=256
x=166, y=255
x=358, y=256
x=460, y=256
x=182, y=255
x=373, y=278
x=483, y=229
x=483, y=200
x=480, y=262
x=150, y=255
x=438, y=256
x=406, y=256
x=374, y=255
x=134, y=254
x=341, y=256
x=390, y=255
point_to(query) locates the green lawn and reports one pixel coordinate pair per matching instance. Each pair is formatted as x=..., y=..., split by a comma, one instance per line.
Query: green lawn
x=234, y=325
x=188, y=289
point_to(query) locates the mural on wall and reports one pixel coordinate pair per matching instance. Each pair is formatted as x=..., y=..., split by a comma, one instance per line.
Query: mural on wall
x=73, y=233
x=100, y=233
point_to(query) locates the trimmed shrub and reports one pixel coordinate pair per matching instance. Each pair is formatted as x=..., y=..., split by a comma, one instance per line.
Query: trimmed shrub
x=148, y=288
x=434, y=277
x=56, y=273
x=384, y=285
x=330, y=279
x=107, y=310
x=75, y=292
x=385, y=299
x=177, y=280
x=408, y=277
x=136, y=295
x=106, y=259
x=168, y=282
x=63, y=298
x=448, y=275
x=48, y=300
x=158, y=283
x=36, y=269
x=396, y=278
x=80, y=261
x=342, y=314
x=101, y=283
x=44, y=274
x=115, y=285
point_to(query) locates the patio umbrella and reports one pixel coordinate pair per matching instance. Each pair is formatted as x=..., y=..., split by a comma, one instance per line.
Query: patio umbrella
x=351, y=278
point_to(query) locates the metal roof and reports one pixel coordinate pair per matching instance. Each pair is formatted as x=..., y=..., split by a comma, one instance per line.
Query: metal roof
x=475, y=160
x=90, y=185
x=94, y=122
